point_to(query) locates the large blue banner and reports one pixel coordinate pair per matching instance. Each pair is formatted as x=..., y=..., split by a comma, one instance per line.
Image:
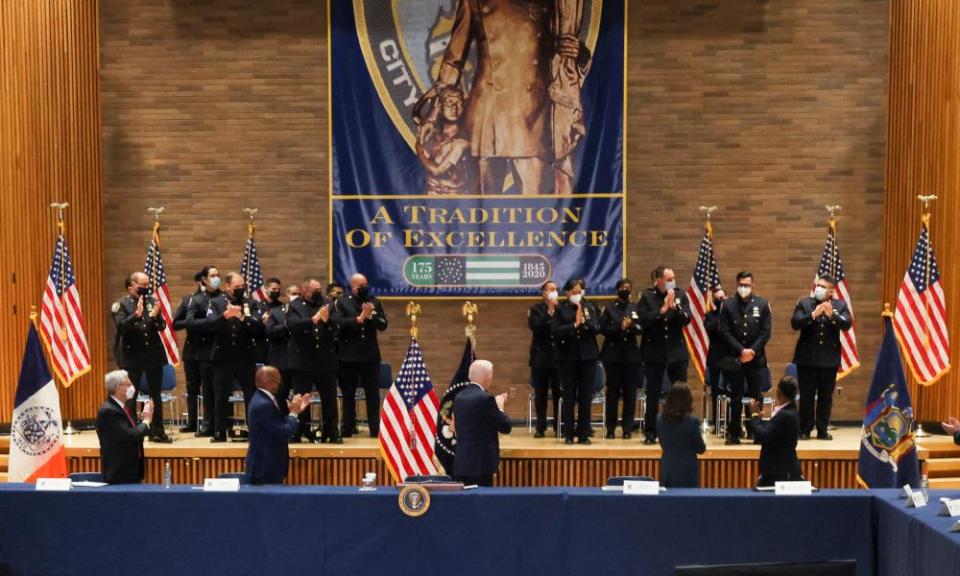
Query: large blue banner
x=477, y=145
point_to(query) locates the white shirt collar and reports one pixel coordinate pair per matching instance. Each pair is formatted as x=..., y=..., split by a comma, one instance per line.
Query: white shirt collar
x=121, y=404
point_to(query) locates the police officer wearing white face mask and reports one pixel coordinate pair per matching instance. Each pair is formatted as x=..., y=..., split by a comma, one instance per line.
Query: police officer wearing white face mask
x=664, y=311
x=819, y=319
x=544, y=374
x=574, y=326
x=744, y=325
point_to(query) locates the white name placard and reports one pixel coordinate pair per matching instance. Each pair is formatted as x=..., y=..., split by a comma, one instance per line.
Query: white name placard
x=221, y=485
x=793, y=488
x=54, y=484
x=950, y=507
x=916, y=499
x=641, y=487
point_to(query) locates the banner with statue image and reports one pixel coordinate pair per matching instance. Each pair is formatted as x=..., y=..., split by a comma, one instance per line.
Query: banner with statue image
x=477, y=146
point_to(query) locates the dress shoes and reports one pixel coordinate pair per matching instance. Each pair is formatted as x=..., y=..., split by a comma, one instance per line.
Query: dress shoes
x=204, y=433
x=610, y=436
x=217, y=438
x=188, y=429
x=336, y=440
x=538, y=434
x=568, y=441
x=804, y=436
x=732, y=441
x=824, y=436
x=584, y=441
x=161, y=439
x=648, y=440
x=627, y=435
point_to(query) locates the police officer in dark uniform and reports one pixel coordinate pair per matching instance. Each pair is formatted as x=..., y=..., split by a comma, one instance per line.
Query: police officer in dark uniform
x=191, y=365
x=664, y=311
x=620, y=324
x=138, y=348
x=236, y=321
x=574, y=326
x=277, y=335
x=711, y=325
x=820, y=319
x=274, y=289
x=360, y=316
x=745, y=324
x=544, y=375
x=312, y=357
x=197, y=313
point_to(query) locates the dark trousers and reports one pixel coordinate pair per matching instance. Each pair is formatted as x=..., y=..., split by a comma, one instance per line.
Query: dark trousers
x=243, y=372
x=749, y=379
x=577, y=379
x=545, y=380
x=622, y=380
x=816, y=382
x=209, y=397
x=485, y=480
x=326, y=385
x=154, y=383
x=367, y=376
x=191, y=373
x=653, y=373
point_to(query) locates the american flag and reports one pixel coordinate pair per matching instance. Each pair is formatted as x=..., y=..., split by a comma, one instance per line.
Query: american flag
x=705, y=280
x=153, y=268
x=61, y=320
x=408, y=419
x=250, y=270
x=830, y=263
x=920, y=319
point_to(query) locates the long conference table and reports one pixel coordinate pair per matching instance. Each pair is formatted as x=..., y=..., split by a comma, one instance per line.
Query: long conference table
x=295, y=530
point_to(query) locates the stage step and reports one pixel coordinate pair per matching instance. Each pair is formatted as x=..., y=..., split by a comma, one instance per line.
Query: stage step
x=3, y=477
x=4, y=462
x=945, y=483
x=5, y=444
x=943, y=467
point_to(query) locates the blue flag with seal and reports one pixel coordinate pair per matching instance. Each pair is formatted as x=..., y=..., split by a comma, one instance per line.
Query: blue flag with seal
x=446, y=436
x=477, y=150
x=888, y=451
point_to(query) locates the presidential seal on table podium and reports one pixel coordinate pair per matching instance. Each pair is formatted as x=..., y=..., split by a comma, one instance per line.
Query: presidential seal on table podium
x=414, y=500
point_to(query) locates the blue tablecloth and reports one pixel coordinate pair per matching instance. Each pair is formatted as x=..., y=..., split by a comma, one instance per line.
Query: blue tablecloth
x=294, y=530
x=915, y=541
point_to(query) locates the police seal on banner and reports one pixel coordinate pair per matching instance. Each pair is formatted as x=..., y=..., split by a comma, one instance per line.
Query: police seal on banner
x=414, y=500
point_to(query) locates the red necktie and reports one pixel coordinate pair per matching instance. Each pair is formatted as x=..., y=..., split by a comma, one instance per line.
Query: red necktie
x=126, y=410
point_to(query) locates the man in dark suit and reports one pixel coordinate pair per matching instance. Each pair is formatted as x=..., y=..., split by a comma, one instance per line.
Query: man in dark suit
x=267, y=454
x=360, y=317
x=478, y=418
x=778, y=436
x=664, y=310
x=544, y=375
x=574, y=326
x=312, y=357
x=138, y=348
x=820, y=319
x=191, y=365
x=745, y=324
x=620, y=324
x=121, y=437
x=235, y=321
x=203, y=336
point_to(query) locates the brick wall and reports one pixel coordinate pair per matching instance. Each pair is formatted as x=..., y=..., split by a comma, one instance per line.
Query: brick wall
x=768, y=109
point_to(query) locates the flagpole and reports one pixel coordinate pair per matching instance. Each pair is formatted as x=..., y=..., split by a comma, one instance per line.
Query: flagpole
x=832, y=210
x=708, y=228
x=245, y=264
x=925, y=223
x=61, y=232
x=413, y=310
x=156, y=241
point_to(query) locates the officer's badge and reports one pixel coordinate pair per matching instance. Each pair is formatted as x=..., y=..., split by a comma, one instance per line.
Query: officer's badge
x=756, y=311
x=634, y=315
x=115, y=307
x=888, y=429
x=414, y=500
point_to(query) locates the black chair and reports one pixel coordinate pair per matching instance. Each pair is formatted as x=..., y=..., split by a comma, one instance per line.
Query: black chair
x=432, y=479
x=619, y=480
x=86, y=477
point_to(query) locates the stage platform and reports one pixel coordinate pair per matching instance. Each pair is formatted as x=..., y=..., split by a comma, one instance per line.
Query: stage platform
x=525, y=461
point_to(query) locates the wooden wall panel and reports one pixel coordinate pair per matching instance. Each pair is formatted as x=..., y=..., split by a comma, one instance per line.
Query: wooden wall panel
x=923, y=157
x=49, y=151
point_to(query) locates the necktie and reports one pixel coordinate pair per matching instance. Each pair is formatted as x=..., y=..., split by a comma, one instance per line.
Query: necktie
x=126, y=410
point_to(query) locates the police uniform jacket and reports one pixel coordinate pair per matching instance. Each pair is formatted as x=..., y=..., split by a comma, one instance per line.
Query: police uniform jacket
x=711, y=325
x=663, y=333
x=575, y=343
x=235, y=338
x=278, y=337
x=358, y=342
x=819, y=341
x=198, y=312
x=312, y=347
x=744, y=324
x=543, y=351
x=180, y=323
x=620, y=346
x=137, y=342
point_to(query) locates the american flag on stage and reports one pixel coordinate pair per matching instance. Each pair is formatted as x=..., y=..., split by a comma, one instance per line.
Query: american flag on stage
x=61, y=320
x=250, y=270
x=153, y=268
x=830, y=263
x=408, y=419
x=705, y=280
x=920, y=319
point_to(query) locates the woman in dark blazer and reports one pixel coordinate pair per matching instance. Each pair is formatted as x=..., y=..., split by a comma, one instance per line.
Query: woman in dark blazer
x=680, y=439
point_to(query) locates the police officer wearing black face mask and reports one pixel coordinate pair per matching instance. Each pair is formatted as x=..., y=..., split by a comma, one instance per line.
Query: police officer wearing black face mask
x=138, y=348
x=664, y=311
x=312, y=357
x=203, y=336
x=236, y=322
x=276, y=336
x=273, y=289
x=745, y=325
x=621, y=326
x=820, y=319
x=191, y=365
x=360, y=317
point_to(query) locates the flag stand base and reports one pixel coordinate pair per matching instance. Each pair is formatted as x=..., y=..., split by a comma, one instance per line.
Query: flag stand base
x=920, y=433
x=70, y=430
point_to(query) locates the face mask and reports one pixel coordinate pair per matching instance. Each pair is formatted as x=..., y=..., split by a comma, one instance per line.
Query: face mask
x=717, y=302
x=238, y=293
x=143, y=291
x=575, y=299
x=131, y=392
x=214, y=282
x=820, y=293
x=744, y=291
x=316, y=297
x=623, y=294
x=274, y=295
x=363, y=292
x=671, y=285
x=553, y=296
